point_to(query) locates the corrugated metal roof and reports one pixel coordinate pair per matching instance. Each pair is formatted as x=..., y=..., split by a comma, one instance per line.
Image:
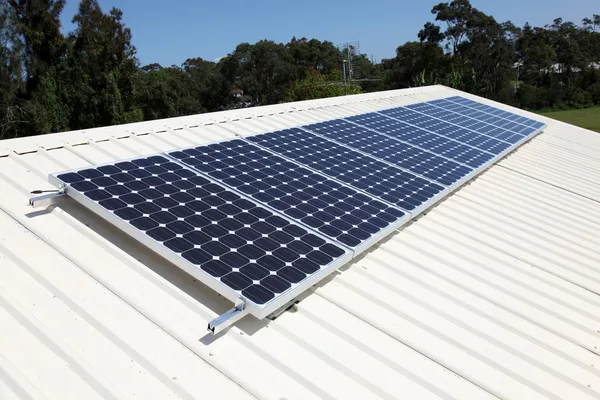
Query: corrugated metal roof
x=493, y=294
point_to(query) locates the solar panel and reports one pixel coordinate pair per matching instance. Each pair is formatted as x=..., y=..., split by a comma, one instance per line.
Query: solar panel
x=497, y=112
x=462, y=135
x=261, y=219
x=446, y=147
x=229, y=242
x=469, y=123
x=512, y=126
x=375, y=177
x=425, y=163
x=335, y=210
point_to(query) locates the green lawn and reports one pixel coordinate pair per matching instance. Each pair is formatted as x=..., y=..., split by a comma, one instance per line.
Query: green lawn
x=588, y=118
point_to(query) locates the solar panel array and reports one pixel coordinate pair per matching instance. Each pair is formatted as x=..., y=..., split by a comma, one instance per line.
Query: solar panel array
x=336, y=211
x=266, y=216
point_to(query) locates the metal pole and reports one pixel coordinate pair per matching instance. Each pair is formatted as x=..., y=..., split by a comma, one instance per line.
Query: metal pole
x=344, y=68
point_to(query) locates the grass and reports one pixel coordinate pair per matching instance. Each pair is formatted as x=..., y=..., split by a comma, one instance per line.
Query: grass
x=588, y=118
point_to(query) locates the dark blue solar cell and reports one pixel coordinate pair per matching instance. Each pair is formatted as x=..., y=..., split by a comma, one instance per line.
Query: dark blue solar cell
x=146, y=208
x=128, y=213
x=179, y=245
x=98, y=195
x=214, y=230
x=144, y=223
x=163, y=217
x=123, y=177
x=234, y=241
x=161, y=234
x=126, y=166
x=215, y=248
x=254, y=272
x=216, y=268
x=166, y=202
x=180, y=227
x=291, y=274
x=109, y=170
x=140, y=173
x=113, y=204
x=115, y=190
x=286, y=187
x=275, y=284
x=90, y=173
x=136, y=185
x=306, y=266
x=230, y=238
x=237, y=280
x=84, y=186
x=258, y=293
x=197, y=256
x=197, y=238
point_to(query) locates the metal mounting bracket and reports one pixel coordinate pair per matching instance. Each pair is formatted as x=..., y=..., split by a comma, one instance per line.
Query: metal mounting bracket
x=228, y=318
x=46, y=199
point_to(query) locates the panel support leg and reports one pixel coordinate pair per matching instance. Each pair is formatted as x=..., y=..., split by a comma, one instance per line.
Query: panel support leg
x=228, y=318
x=45, y=199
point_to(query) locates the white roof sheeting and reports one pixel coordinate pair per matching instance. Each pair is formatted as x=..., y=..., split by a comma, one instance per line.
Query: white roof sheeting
x=493, y=294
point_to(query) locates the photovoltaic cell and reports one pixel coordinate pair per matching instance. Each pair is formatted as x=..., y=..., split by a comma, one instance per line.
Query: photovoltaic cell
x=404, y=155
x=377, y=178
x=336, y=211
x=462, y=135
x=433, y=142
x=244, y=246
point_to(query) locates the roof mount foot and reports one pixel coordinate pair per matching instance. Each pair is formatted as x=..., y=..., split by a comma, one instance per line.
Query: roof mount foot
x=228, y=318
x=46, y=199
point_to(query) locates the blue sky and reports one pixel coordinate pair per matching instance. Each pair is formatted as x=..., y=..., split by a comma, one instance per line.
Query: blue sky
x=169, y=32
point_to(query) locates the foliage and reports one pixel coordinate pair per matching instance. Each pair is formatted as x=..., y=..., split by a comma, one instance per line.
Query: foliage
x=12, y=112
x=317, y=86
x=102, y=65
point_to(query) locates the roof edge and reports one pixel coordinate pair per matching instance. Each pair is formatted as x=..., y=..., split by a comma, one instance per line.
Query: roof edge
x=33, y=143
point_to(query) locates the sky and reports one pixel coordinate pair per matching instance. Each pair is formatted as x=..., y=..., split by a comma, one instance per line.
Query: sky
x=169, y=32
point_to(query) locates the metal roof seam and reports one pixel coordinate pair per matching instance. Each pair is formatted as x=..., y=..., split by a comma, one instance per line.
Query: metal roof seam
x=549, y=183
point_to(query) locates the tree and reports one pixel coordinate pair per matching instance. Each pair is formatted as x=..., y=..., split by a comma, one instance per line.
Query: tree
x=165, y=93
x=103, y=66
x=207, y=83
x=411, y=59
x=431, y=33
x=593, y=23
x=308, y=55
x=263, y=70
x=457, y=16
x=317, y=86
x=12, y=112
x=38, y=25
